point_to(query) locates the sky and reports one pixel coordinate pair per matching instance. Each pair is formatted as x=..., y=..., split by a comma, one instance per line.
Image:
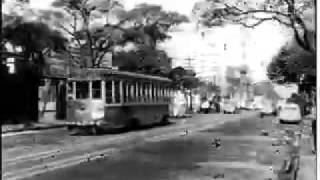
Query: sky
x=182, y=6
x=254, y=47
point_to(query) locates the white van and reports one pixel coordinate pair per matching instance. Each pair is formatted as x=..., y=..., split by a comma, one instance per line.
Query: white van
x=290, y=112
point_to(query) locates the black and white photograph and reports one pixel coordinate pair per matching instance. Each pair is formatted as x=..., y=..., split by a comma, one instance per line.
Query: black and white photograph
x=159, y=90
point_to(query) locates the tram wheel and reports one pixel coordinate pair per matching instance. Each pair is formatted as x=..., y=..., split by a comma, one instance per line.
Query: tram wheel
x=164, y=120
x=94, y=130
x=73, y=130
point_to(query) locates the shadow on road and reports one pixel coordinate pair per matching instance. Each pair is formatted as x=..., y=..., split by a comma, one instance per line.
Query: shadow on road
x=123, y=130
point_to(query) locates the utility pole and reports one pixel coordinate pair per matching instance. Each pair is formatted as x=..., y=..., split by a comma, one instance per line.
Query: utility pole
x=189, y=62
x=190, y=93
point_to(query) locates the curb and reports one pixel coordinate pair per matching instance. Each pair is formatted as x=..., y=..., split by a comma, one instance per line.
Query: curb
x=34, y=128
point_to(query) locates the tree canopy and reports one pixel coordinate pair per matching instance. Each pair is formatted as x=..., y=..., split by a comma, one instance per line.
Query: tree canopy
x=293, y=64
x=150, y=61
x=145, y=25
x=297, y=15
x=183, y=79
x=36, y=39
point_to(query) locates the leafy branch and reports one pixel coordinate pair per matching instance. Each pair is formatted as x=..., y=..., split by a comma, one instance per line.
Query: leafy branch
x=291, y=17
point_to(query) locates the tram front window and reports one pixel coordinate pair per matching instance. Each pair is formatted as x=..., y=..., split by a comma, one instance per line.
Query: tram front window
x=82, y=90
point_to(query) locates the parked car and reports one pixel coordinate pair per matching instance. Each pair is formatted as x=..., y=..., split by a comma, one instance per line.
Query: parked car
x=205, y=107
x=268, y=110
x=229, y=107
x=290, y=113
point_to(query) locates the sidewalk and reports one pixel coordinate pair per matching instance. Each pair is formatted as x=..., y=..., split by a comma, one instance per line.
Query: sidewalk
x=307, y=159
x=47, y=122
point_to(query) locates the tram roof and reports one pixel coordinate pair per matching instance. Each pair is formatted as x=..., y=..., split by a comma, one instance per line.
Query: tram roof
x=99, y=73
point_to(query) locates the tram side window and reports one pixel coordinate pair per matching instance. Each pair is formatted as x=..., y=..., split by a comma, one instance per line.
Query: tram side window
x=117, y=91
x=152, y=92
x=109, y=92
x=124, y=91
x=130, y=92
x=96, y=89
x=133, y=94
x=82, y=90
x=145, y=92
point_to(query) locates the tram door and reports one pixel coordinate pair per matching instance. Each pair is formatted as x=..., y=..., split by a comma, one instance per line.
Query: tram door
x=52, y=99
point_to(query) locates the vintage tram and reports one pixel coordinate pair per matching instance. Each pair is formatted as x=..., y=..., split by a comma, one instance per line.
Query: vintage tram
x=104, y=99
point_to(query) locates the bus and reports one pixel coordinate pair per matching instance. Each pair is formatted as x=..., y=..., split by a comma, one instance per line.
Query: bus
x=104, y=99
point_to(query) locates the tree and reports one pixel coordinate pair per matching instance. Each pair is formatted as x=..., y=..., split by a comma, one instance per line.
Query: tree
x=144, y=60
x=153, y=22
x=290, y=13
x=93, y=42
x=99, y=40
x=293, y=65
x=185, y=81
x=35, y=38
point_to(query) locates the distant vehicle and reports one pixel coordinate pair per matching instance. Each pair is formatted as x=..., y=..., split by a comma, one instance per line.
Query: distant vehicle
x=205, y=107
x=268, y=109
x=229, y=107
x=290, y=112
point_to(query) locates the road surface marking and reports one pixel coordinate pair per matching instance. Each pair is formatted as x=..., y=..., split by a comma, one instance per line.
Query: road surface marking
x=38, y=155
x=9, y=134
x=38, y=169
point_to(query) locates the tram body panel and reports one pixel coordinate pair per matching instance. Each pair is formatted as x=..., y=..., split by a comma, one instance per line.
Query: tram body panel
x=145, y=114
x=85, y=110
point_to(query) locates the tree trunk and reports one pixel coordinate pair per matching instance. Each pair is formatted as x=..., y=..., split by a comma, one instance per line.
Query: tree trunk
x=61, y=101
x=89, y=38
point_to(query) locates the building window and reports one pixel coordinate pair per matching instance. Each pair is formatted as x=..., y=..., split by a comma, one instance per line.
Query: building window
x=11, y=65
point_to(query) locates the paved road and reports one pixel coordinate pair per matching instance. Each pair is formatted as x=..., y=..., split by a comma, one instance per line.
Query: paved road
x=47, y=150
x=163, y=152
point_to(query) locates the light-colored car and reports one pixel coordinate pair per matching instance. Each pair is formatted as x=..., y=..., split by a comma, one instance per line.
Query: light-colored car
x=229, y=107
x=205, y=107
x=268, y=108
x=290, y=112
